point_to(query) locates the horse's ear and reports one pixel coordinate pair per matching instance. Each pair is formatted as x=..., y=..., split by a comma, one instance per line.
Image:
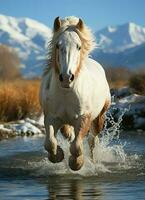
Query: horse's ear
x=57, y=24
x=80, y=24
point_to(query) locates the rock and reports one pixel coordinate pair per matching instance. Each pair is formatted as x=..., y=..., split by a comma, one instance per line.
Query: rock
x=133, y=107
x=27, y=127
x=121, y=92
x=5, y=132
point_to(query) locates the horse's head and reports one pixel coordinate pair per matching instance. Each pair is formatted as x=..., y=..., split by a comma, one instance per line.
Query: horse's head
x=68, y=52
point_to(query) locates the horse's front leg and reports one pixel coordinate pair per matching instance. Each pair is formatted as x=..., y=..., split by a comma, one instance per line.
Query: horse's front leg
x=55, y=153
x=81, y=128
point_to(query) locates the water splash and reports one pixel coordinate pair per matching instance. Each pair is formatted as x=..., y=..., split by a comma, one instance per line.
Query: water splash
x=110, y=142
x=109, y=154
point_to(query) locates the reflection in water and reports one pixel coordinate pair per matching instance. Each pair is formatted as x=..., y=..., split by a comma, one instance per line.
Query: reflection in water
x=26, y=173
x=77, y=189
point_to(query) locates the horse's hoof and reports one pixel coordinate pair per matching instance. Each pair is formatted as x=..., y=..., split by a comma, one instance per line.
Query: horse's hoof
x=76, y=163
x=58, y=157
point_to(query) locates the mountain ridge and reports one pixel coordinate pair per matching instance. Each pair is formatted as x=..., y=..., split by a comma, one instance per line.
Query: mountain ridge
x=121, y=45
x=121, y=37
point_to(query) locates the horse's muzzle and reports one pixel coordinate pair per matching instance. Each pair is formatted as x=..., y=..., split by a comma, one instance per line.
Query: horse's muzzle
x=66, y=80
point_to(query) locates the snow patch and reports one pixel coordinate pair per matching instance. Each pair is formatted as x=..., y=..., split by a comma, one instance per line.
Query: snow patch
x=26, y=127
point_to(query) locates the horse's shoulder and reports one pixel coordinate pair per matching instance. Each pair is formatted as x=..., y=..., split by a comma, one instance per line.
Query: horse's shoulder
x=94, y=66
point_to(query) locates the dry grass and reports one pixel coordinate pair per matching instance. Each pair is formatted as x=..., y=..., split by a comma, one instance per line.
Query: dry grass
x=118, y=76
x=118, y=84
x=19, y=99
x=137, y=82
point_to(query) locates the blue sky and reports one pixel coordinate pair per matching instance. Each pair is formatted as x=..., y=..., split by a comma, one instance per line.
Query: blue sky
x=96, y=13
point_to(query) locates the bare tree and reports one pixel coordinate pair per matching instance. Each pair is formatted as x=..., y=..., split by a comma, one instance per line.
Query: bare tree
x=9, y=63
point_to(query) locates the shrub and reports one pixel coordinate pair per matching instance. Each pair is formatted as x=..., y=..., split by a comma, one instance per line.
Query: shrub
x=9, y=63
x=118, y=76
x=19, y=99
x=137, y=83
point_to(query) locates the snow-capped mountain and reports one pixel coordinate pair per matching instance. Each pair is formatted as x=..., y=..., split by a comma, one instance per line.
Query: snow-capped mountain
x=132, y=58
x=119, y=38
x=122, y=45
x=29, y=38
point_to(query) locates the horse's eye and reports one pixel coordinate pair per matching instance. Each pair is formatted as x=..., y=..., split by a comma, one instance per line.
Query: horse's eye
x=78, y=47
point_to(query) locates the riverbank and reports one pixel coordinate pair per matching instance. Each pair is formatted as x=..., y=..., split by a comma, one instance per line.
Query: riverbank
x=130, y=106
x=26, y=127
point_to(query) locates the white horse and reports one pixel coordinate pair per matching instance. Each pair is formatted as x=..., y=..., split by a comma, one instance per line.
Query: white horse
x=74, y=90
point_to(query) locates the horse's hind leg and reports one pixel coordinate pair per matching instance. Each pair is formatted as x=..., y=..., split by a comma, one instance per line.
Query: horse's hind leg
x=97, y=127
x=55, y=153
x=67, y=131
x=81, y=128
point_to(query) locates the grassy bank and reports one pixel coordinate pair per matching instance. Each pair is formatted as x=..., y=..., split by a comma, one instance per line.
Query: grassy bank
x=19, y=99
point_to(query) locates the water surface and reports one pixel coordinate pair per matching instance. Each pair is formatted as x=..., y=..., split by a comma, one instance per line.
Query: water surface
x=118, y=171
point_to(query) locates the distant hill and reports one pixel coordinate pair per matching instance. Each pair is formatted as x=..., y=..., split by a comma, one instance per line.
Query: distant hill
x=122, y=45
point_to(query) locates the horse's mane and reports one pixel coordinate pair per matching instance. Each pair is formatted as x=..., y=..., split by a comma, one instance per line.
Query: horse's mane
x=86, y=36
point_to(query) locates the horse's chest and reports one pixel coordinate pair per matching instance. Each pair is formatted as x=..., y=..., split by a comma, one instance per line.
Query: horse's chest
x=67, y=107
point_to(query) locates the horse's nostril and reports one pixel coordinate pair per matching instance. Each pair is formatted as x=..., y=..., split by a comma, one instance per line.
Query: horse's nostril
x=72, y=77
x=61, y=77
